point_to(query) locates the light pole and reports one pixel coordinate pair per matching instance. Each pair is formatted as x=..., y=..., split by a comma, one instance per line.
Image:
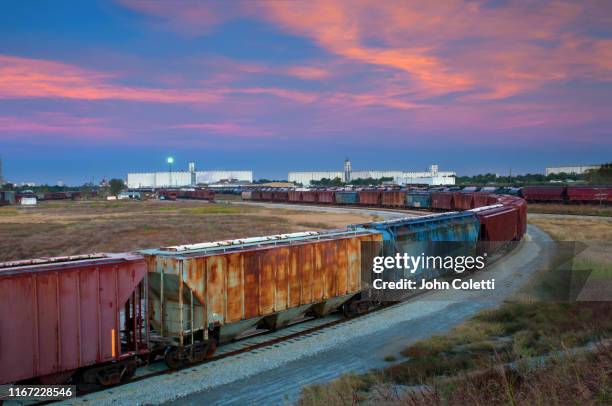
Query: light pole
x=170, y=161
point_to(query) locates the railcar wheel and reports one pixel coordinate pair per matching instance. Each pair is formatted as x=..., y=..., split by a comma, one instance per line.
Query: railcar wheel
x=173, y=358
x=211, y=348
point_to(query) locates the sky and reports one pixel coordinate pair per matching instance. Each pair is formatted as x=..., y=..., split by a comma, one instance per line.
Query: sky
x=92, y=89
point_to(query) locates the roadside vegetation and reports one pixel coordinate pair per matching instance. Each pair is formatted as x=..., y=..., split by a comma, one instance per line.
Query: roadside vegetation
x=538, y=348
x=57, y=228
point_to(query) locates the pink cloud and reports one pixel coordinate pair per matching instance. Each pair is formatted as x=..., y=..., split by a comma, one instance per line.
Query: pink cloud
x=442, y=47
x=31, y=78
x=43, y=124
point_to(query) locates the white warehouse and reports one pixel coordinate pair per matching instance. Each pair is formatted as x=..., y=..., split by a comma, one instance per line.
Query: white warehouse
x=184, y=178
x=430, y=177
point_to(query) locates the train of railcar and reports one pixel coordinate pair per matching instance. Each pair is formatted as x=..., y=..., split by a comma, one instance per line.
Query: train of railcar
x=95, y=319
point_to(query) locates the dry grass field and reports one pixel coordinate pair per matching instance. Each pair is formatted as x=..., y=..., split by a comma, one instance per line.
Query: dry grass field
x=573, y=209
x=67, y=228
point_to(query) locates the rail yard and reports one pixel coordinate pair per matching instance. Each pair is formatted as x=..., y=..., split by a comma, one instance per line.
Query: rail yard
x=181, y=302
x=306, y=203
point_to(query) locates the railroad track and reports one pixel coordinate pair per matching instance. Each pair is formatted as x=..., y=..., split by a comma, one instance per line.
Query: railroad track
x=250, y=343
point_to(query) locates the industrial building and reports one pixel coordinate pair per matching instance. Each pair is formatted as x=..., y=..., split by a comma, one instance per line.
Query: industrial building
x=574, y=170
x=190, y=177
x=430, y=177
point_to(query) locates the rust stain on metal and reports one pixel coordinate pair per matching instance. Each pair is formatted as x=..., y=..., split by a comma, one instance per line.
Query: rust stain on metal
x=394, y=198
x=234, y=301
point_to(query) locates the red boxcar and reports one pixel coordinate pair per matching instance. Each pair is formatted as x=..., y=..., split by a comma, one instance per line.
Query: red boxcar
x=198, y=194
x=267, y=195
x=464, y=201
x=280, y=196
x=256, y=195
x=521, y=206
x=167, y=194
x=326, y=196
x=370, y=197
x=309, y=196
x=62, y=315
x=442, y=201
x=584, y=194
x=481, y=199
x=205, y=194
x=543, y=193
x=498, y=224
x=394, y=198
x=295, y=196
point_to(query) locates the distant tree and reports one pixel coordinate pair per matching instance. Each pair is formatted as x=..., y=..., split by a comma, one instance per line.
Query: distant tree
x=601, y=176
x=517, y=180
x=327, y=182
x=116, y=185
x=370, y=181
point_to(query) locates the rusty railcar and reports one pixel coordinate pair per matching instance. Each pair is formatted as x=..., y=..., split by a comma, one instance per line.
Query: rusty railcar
x=464, y=200
x=370, y=197
x=78, y=316
x=204, y=294
x=394, y=198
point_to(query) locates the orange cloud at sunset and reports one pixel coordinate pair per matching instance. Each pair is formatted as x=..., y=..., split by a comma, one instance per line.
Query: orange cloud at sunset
x=24, y=77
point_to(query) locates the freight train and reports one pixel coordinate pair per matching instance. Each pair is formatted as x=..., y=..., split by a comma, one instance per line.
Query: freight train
x=93, y=319
x=437, y=198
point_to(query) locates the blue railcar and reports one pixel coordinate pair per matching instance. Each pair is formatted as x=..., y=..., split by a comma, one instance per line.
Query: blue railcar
x=445, y=234
x=491, y=189
x=418, y=199
x=514, y=191
x=347, y=197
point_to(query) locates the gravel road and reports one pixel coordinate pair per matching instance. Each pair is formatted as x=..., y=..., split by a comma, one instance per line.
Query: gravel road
x=275, y=375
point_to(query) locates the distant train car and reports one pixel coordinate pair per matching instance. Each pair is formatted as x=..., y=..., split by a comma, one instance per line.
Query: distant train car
x=166, y=194
x=481, y=199
x=295, y=196
x=197, y=194
x=464, y=200
x=589, y=194
x=7, y=197
x=310, y=196
x=394, y=198
x=442, y=201
x=80, y=317
x=267, y=195
x=544, y=193
x=347, y=197
x=210, y=293
x=419, y=199
x=246, y=195
x=370, y=197
x=280, y=196
x=326, y=196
